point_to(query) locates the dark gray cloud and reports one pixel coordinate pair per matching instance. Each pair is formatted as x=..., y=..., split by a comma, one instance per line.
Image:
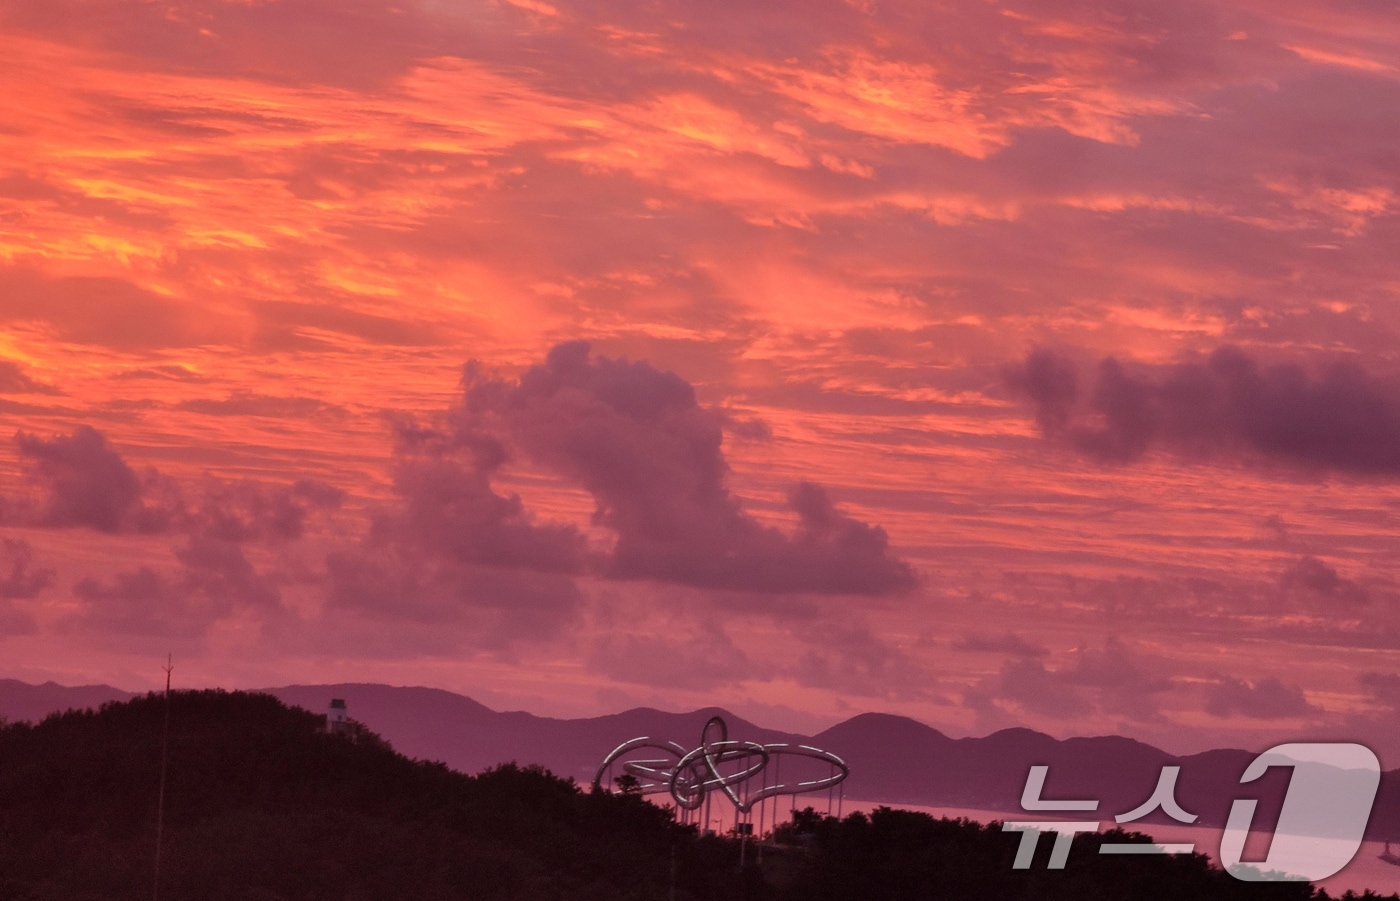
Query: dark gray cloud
x=455, y=554
x=1266, y=699
x=14, y=380
x=1228, y=406
x=1384, y=688
x=146, y=606
x=1027, y=684
x=81, y=481
x=248, y=403
x=142, y=602
x=20, y=579
x=704, y=658
x=449, y=510
x=218, y=569
x=242, y=511
x=452, y=552
x=851, y=659
x=85, y=482
x=468, y=606
x=1116, y=680
x=1005, y=643
x=636, y=439
x=1318, y=585
x=1051, y=383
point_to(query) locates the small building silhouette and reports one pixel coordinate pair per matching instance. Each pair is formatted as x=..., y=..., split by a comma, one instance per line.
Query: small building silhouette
x=338, y=718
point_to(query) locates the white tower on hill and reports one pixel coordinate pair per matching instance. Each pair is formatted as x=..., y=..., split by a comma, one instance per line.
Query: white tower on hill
x=337, y=717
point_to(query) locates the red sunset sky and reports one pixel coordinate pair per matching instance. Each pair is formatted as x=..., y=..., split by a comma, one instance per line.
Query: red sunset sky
x=992, y=363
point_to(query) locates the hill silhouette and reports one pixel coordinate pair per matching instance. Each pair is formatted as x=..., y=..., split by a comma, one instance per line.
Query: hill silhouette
x=22, y=701
x=264, y=804
x=432, y=724
x=894, y=759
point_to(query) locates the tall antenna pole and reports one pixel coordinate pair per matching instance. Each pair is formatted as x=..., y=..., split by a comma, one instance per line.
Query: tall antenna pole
x=164, y=756
x=672, y=895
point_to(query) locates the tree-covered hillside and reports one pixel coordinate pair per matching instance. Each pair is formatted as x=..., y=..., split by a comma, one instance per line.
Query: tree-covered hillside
x=262, y=804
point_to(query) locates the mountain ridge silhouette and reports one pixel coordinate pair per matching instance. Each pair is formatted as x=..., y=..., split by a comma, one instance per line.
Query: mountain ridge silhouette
x=893, y=759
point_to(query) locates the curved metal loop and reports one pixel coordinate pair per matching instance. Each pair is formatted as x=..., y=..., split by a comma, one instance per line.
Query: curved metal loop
x=688, y=776
x=712, y=755
x=641, y=768
x=839, y=774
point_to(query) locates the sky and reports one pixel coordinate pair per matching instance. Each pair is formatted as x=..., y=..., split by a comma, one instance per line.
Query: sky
x=991, y=363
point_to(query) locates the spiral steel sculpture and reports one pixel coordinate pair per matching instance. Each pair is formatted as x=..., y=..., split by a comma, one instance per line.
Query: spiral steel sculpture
x=689, y=776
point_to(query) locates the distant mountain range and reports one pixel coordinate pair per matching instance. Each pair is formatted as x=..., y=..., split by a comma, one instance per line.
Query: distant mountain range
x=893, y=759
x=22, y=701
